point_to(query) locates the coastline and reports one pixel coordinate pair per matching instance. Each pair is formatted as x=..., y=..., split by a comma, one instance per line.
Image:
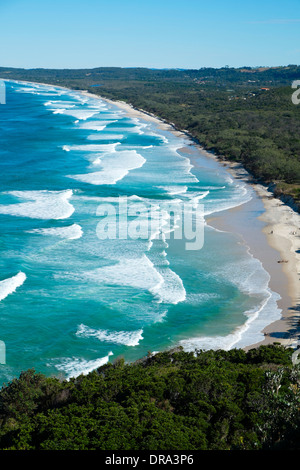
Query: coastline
x=281, y=231
x=279, y=246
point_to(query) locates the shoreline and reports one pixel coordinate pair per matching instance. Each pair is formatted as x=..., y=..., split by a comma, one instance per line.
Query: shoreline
x=281, y=230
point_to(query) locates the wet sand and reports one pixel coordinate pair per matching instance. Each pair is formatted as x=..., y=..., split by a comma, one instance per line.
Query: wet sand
x=274, y=238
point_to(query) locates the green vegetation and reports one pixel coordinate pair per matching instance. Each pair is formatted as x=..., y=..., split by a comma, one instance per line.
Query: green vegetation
x=244, y=115
x=173, y=400
x=212, y=400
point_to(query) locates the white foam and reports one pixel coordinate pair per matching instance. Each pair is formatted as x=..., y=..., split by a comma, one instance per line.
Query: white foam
x=134, y=272
x=95, y=125
x=127, y=338
x=36, y=86
x=59, y=111
x=161, y=137
x=212, y=188
x=8, y=286
x=179, y=169
x=140, y=273
x=41, y=205
x=114, y=167
x=96, y=103
x=92, y=147
x=105, y=137
x=30, y=90
x=195, y=197
x=74, y=367
x=173, y=190
x=138, y=128
x=113, y=199
x=81, y=114
x=252, y=279
x=247, y=274
x=250, y=333
x=38, y=90
x=160, y=225
x=59, y=105
x=241, y=195
x=51, y=93
x=73, y=232
x=171, y=290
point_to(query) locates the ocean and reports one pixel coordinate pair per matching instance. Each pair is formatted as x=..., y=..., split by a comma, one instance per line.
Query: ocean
x=84, y=276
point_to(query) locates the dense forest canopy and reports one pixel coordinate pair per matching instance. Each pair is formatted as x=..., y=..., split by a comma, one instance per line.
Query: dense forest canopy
x=212, y=400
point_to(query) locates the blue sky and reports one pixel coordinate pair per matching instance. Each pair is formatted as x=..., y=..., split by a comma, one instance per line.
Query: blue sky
x=152, y=33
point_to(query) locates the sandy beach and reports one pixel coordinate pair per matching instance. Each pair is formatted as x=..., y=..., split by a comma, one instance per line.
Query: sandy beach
x=277, y=246
x=281, y=258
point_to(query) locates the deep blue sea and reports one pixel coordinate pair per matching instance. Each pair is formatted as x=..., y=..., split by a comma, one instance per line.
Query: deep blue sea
x=71, y=300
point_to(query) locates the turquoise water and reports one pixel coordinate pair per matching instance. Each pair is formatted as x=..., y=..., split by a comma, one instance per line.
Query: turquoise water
x=71, y=301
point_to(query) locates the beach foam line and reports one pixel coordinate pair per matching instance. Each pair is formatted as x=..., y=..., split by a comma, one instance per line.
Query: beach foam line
x=73, y=232
x=142, y=125
x=184, y=164
x=9, y=286
x=73, y=367
x=127, y=338
x=241, y=196
x=42, y=204
x=247, y=274
x=252, y=279
x=248, y=333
